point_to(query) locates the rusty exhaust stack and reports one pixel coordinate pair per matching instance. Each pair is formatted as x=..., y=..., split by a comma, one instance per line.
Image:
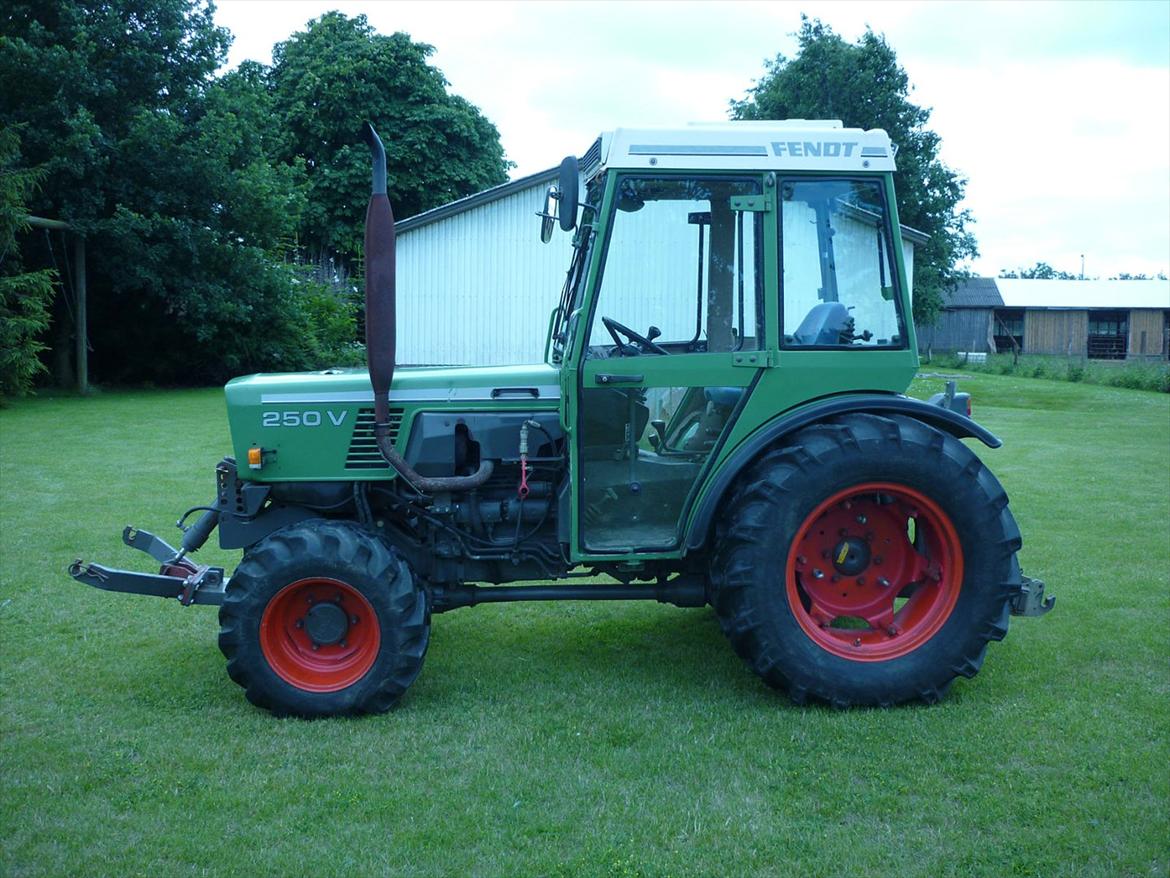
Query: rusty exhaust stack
x=380, y=328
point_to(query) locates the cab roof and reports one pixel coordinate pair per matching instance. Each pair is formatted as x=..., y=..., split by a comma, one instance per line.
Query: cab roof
x=789, y=145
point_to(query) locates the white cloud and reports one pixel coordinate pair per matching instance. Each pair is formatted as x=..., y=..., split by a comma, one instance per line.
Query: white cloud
x=1059, y=114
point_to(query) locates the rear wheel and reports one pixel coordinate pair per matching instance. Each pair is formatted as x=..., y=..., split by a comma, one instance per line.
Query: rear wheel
x=867, y=563
x=323, y=618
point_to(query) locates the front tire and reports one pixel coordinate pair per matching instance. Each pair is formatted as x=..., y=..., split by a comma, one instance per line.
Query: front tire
x=869, y=562
x=322, y=619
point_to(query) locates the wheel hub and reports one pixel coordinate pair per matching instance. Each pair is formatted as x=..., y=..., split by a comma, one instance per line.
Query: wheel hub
x=851, y=556
x=320, y=634
x=874, y=571
x=326, y=624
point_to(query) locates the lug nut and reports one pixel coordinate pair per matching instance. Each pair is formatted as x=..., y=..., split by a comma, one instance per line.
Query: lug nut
x=800, y=559
x=883, y=582
x=343, y=644
x=861, y=519
x=861, y=580
x=353, y=620
x=892, y=631
x=316, y=646
x=300, y=623
x=877, y=560
x=857, y=642
x=818, y=573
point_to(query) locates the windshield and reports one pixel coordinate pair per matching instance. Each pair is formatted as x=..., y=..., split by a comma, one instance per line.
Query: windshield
x=575, y=278
x=839, y=276
x=683, y=267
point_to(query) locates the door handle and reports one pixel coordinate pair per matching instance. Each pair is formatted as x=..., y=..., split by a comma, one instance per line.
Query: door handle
x=531, y=392
x=606, y=378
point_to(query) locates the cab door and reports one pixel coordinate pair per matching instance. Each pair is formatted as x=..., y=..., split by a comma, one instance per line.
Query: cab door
x=675, y=337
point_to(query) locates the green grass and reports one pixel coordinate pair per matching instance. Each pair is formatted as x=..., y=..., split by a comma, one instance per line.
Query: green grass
x=1132, y=374
x=579, y=739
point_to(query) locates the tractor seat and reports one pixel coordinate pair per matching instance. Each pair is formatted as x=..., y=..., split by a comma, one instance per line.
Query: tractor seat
x=823, y=325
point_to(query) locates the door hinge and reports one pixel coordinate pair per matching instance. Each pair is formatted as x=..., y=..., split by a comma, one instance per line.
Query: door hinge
x=752, y=203
x=754, y=359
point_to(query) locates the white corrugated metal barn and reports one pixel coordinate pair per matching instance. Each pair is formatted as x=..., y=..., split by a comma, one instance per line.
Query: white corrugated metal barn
x=475, y=284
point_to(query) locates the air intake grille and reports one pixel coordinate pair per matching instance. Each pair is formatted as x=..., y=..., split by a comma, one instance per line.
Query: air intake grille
x=363, y=448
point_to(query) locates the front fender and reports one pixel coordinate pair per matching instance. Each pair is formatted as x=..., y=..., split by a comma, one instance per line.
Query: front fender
x=774, y=431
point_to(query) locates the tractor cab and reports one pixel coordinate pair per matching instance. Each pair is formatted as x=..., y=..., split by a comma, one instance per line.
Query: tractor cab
x=713, y=266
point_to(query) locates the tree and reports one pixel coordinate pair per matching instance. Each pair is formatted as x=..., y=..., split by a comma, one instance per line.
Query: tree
x=25, y=296
x=336, y=74
x=1138, y=275
x=171, y=174
x=1040, y=271
x=862, y=85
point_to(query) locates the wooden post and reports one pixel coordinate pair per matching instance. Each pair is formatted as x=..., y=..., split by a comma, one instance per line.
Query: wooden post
x=79, y=311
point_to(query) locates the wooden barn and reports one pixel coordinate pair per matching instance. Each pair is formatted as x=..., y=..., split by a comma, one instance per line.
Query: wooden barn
x=1096, y=319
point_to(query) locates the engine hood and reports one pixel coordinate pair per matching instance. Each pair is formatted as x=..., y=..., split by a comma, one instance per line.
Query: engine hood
x=411, y=386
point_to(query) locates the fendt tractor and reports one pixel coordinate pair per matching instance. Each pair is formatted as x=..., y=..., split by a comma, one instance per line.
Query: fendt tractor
x=720, y=420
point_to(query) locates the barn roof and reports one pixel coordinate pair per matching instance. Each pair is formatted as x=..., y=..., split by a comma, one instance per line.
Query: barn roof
x=975, y=292
x=991, y=292
x=485, y=197
x=1080, y=294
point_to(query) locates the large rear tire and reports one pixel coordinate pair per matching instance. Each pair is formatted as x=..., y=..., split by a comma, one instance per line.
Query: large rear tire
x=868, y=562
x=322, y=619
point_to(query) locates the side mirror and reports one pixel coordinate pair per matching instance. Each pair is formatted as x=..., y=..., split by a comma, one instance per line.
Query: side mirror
x=549, y=215
x=568, y=189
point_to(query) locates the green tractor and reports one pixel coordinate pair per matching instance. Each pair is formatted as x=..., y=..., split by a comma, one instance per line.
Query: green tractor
x=719, y=420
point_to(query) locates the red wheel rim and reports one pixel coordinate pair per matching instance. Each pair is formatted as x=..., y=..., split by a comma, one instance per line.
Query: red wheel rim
x=320, y=635
x=874, y=572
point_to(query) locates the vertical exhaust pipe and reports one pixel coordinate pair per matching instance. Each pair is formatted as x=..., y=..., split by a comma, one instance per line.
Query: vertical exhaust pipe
x=381, y=334
x=381, y=330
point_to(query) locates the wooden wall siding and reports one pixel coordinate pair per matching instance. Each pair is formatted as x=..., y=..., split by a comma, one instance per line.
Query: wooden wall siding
x=962, y=329
x=1056, y=332
x=1149, y=321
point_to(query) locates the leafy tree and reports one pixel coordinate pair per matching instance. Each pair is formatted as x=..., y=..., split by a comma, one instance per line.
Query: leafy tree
x=171, y=174
x=862, y=85
x=336, y=74
x=1040, y=271
x=25, y=296
x=1140, y=275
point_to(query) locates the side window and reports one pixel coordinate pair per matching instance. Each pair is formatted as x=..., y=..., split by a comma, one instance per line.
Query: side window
x=683, y=267
x=839, y=285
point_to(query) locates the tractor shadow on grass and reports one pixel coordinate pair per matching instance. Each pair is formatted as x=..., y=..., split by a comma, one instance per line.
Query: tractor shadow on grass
x=586, y=651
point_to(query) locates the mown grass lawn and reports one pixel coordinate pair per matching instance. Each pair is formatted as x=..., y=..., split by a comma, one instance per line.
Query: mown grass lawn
x=581, y=739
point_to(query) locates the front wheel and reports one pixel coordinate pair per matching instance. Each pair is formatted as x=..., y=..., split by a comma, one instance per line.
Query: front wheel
x=322, y=618
x=869, y=562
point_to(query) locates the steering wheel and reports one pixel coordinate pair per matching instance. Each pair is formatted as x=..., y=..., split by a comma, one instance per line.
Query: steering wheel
x=644, y=343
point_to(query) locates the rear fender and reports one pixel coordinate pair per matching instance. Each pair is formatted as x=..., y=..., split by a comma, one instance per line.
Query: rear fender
x=776, y=430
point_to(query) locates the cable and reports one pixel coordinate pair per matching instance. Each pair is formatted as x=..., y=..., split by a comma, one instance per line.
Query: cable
x=185, y=515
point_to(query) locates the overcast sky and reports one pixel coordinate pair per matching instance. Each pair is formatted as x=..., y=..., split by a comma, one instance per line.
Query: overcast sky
x=1058, y=113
